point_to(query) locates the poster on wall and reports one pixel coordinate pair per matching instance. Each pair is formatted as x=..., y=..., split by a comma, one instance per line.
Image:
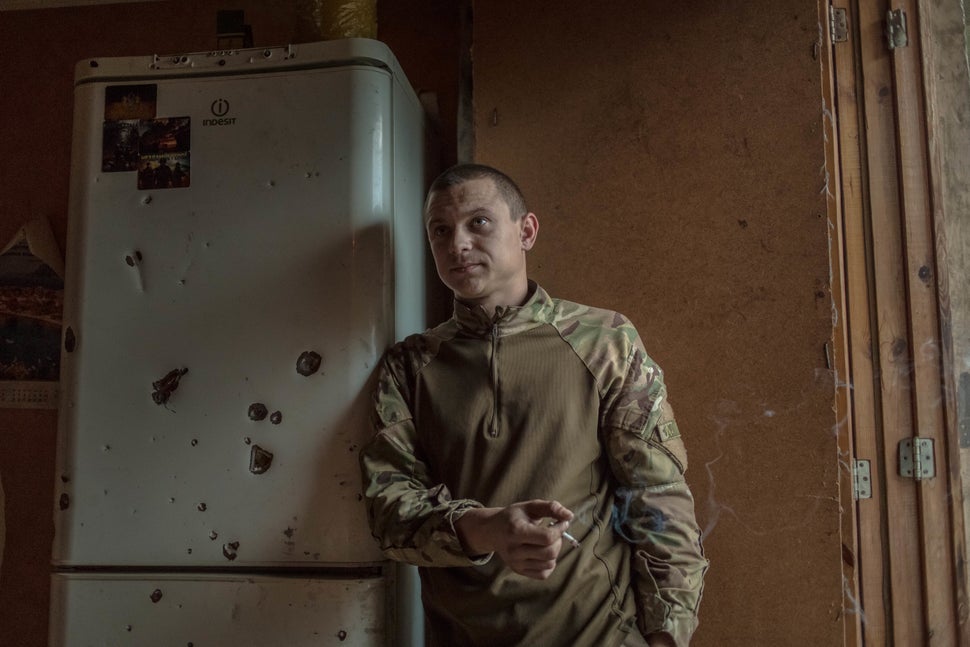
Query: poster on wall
x=31, y=303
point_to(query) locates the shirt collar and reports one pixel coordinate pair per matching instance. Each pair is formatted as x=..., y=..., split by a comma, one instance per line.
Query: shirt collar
x=506, y=320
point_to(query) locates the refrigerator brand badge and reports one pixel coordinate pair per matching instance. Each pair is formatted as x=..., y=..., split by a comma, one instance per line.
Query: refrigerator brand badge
x=219, y=108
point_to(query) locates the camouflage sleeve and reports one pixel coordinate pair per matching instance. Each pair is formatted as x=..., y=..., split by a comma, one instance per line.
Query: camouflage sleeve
x=411, y=517
x=653, y=507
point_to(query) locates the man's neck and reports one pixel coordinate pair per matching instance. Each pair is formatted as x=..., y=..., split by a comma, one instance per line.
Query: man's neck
x=492, y=304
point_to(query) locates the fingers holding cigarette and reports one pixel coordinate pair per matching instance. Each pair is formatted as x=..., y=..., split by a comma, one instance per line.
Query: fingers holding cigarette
x=525, y=535
x=565, y=535
x=561, y=515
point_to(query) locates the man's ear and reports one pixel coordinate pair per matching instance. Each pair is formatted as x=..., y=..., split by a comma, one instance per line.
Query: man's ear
x=528, y=230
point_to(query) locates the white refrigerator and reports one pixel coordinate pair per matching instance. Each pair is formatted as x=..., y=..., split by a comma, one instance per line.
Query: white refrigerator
x=245, y=240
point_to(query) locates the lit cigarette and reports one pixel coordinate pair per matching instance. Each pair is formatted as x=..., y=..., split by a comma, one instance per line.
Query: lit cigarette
x=572, y=540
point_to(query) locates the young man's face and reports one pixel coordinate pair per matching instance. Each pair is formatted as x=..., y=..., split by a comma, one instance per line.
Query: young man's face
x=478, y=249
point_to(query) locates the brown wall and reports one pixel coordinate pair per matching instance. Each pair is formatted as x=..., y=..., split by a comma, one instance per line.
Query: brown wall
x=38, y=50
x=674, y=155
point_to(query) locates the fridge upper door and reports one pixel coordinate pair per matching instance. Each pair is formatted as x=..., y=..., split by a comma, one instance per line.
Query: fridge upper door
x=208, y=610
x=191, y=301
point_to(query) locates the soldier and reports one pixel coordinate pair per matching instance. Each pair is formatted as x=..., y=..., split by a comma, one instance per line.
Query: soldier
x=520, y=422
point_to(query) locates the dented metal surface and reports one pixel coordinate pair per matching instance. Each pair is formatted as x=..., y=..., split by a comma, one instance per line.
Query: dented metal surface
x=230, y=550
x=165, y=387
x=133, y=259
x=217, y=610
x=258, y=411
x=308, y=363
x=259, y=460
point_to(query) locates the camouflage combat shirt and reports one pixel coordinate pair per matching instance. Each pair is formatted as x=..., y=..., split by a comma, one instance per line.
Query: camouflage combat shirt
x=550, y=400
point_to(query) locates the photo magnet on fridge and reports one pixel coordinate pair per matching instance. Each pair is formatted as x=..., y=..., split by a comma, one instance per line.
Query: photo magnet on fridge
x=163, y=153
x=124, y=107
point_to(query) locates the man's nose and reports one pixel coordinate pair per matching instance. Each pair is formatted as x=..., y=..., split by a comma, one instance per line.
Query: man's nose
x=460, y=242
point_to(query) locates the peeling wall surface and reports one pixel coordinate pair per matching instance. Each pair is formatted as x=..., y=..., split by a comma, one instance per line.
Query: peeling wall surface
x=674, y=155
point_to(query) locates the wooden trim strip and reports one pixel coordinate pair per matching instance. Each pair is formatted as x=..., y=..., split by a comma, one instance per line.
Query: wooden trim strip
x=839, y=193
x=901, y=508
x=921, y=286
x=946, y=82
x=867, y=519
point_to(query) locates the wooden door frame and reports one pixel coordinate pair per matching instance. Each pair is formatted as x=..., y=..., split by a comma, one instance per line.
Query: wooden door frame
x=894, y=215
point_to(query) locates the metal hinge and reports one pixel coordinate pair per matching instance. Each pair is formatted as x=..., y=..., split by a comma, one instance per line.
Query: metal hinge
x=861, y=480
x=916, y=458
x=896, y=28
x=838, y=26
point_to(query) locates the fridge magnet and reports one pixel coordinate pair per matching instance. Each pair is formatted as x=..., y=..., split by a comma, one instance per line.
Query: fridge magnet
x=163, y=153
x=31, y=301
x=130, y=102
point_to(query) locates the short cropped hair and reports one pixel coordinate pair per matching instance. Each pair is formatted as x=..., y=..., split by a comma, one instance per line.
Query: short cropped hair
x=461, y=173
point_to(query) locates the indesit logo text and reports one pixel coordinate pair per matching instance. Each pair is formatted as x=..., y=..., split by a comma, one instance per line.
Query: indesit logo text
x=219, y=108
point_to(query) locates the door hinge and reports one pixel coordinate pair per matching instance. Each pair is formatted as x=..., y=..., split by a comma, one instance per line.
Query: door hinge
x=916, y=458
x=896, y=33
x=838, y=27
x=861, y=480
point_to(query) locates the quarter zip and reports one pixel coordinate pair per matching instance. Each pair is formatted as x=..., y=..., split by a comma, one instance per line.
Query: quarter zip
x=493, y=431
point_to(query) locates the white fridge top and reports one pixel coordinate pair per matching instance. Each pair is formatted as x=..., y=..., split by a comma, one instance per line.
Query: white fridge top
x=331, y=53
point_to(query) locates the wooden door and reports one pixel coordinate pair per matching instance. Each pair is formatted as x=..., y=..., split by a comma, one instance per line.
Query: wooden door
x=904, y=547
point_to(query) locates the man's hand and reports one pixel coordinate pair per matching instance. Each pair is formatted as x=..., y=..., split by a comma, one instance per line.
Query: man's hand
x=527, y=535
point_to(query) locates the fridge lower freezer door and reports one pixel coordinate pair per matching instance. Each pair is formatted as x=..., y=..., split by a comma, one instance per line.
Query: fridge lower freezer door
x=216, y=610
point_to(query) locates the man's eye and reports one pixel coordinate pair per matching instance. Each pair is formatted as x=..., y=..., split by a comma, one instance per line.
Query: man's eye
x=479, y=221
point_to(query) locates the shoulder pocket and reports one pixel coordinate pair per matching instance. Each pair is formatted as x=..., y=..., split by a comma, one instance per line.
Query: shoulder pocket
x=666, y=437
